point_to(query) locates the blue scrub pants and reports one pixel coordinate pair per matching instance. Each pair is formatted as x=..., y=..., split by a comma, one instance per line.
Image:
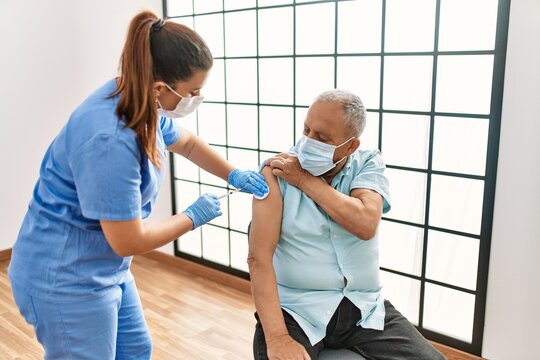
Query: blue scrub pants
x=111, y=326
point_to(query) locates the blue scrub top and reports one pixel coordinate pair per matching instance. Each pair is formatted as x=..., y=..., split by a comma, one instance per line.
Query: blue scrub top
x=93, y=170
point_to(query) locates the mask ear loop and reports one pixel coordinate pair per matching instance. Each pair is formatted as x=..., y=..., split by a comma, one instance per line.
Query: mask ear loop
x=343, y=158
x=174, y=92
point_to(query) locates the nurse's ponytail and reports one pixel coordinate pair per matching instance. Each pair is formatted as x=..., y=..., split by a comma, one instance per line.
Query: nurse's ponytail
x=155, y=50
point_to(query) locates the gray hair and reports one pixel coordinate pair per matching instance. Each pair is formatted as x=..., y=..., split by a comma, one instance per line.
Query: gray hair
x=354, y=112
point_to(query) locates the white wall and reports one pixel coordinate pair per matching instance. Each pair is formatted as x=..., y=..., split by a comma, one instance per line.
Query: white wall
x=54, y=53
x=513, y=312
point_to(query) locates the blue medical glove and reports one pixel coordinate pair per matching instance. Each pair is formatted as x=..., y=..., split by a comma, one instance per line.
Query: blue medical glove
x=249, y=181
x=205, y=209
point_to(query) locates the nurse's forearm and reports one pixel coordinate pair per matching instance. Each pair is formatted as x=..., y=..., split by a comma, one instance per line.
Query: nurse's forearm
x=208, y=159
x=197, y=151
x=162, y=231
x=134, y=237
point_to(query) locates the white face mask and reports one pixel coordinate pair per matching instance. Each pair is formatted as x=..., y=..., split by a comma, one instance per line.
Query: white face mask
x=185, y=106
x=317, y=157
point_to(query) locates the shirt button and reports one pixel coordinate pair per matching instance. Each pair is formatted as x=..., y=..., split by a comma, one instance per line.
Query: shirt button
x=341, y=265
x=334, y=236
x=328, y=312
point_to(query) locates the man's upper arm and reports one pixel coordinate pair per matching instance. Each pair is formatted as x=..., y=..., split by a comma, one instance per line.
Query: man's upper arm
x=266, y=220
x=372, y=200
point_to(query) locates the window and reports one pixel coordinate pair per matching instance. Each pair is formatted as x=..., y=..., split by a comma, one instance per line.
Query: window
x=430, y=73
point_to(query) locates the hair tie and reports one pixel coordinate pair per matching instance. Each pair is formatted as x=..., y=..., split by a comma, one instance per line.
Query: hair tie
x=158, y=24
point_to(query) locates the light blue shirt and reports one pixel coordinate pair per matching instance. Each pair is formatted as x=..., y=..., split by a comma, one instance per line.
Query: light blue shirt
x=314, y=253
x=93, y=170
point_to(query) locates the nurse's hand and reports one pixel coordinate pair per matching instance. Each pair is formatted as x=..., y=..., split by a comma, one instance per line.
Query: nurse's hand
x=205, y=209
x=249, y=181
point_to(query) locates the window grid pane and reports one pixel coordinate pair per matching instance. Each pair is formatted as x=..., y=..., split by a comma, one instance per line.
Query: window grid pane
x=409, y=79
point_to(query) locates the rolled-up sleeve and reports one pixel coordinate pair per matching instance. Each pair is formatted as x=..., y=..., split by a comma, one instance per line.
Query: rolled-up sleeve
x=170, y=130
x=372, y=177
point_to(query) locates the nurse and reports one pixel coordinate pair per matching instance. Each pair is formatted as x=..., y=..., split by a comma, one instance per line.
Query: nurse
x=70, y=267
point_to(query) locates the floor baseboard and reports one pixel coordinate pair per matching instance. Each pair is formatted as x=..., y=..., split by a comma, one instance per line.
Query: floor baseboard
x=204, y=271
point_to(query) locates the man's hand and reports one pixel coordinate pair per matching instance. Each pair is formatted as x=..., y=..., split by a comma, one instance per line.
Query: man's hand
x=287, y=167
x=284, y=347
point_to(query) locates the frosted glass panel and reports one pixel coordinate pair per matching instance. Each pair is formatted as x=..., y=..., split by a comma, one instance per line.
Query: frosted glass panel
x=186, y=194
x=359, y=26
x=276, y=40
x=456, y=203
x=242, y=80
x=190, y=243
x=188, y=21
x=406, y=140
x=408, y=191
x=407, y=82
x=362, y=76
x=410, y=25
x=244, y=159
x=188, y=122
x=210, y=27
x=179, y=8
x=467, y=25
x=242, y=125
x=276, y=128
x=315, y=29
x=265, y=156
x=215, y=244
x=369, y=139
x=240, y=210
x=401, y=247
x=240, y=35
x=214, y=90
x=313, y=76
x=208, y=178
x=452, y=259
x=403, y=293
x=301, y=114
x=208, y=6
x=274, y=2
x=220, y=220
x=464, y=84
x=239, y=251
x=276, y=81
x=460, y=145
x=185, y=169
x=212, y=123
x=239, y=4
x=449, y=312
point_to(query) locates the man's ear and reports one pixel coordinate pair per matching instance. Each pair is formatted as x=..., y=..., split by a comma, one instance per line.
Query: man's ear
x=355, y=143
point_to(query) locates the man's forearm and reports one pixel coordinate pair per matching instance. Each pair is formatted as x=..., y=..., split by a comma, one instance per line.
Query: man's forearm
x=265, y=296
x=347, y=211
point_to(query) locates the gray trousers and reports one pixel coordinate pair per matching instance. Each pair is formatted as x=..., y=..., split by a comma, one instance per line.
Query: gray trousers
x=398, y=341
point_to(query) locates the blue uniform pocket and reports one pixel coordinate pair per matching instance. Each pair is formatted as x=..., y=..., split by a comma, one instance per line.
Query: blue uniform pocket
x=25, y=304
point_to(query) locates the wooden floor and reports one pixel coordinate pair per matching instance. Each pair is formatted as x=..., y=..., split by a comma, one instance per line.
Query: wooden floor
x=190, y=316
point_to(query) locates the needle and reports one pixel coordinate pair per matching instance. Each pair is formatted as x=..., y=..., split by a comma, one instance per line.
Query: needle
x=228, y=193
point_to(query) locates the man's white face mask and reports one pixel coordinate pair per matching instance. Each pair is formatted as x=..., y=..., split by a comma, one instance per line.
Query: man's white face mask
x=317, y=157
x=184, y=107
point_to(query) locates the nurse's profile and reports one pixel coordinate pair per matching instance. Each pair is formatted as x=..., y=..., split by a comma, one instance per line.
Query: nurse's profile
x=70, y=267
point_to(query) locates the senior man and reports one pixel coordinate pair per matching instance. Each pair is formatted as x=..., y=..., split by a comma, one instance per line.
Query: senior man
x=313, y=246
